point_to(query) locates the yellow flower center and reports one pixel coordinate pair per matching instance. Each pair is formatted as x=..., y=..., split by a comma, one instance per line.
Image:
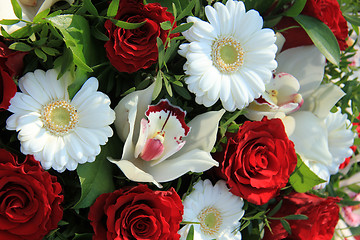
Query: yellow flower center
x=59, y=117
x=210, y=220
x=227, y=54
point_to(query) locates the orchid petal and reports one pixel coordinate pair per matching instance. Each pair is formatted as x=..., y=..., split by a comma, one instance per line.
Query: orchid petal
x=132, y=172
x=306, y=64
x=321, y=101
x=313, y=129
x=138, y=101
x=144, y=132
x=203, y=132
x=195, y=161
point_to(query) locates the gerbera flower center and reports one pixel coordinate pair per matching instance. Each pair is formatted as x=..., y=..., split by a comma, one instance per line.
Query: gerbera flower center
x=227, y=54
x=210, y=220
x=59, y=117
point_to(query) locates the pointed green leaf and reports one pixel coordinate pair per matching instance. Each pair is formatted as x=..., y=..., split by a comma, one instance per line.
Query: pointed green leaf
x=187, y=10
x=296, y=217
x=17, y=9
x=96, y=177
x=90, y=8
x=40, y=54
x=190, y=235
x=322, y=37
x=295, y=9
x=20, y=46
x=127, y=25
x=303, y=179
x=41, y=15
x=9, y=21
x=182, y=27
x=165, y=25
x=355, y=20
x=113, y=8
x=158, y=86
x=286, y=225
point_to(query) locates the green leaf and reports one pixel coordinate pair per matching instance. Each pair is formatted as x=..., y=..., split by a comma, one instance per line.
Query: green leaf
x=187, y=10
x=295, y=9
x=190, y=235
x=182, y=27
x=41, y=15
x=165, y=25
x=127, y=25
x=17, y=9
x=286, y=225
x=64, y=62
x=40, y=54
x=76, y=32
x=322, y=37
x=50, y=51
x=161, y=51
x=113, y=8
x=167, y=85
x=82, y=236
x=158, y=86
x=297, y=217
x=303, y=179
x=275, y=209
x=23, y=32
x=355, y=20
x=96, y=177
x=349, y=202
x=9, y=21
x=182, y=92
x=20, y=46
x=91, y=8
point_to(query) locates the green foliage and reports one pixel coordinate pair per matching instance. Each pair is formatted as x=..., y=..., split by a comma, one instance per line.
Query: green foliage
x=322, y=37
x=96, y=177
x=303, y=179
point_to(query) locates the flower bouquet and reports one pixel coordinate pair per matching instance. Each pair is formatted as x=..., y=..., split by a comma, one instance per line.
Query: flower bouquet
x=179, y=119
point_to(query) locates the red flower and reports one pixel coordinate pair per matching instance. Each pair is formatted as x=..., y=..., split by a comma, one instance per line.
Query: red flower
x=135, y=49
x=327, y=11
x=11, y=64
x=258, y=160
x=29, y=199
x=137, y=213
x=323, y=215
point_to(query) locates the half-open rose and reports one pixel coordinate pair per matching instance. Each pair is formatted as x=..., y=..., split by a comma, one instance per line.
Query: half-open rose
x=161, y=147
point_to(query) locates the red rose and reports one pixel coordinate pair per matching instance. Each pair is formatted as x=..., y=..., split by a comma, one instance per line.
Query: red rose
x=327, y=11
x=258, y=160
x=322, y=213
x=131, y=50
x=137, y=213
x=29, y=199
x=11, y=63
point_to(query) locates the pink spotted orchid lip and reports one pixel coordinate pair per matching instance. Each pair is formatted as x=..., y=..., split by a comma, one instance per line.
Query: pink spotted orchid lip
x=351, y=214
x=161, y=134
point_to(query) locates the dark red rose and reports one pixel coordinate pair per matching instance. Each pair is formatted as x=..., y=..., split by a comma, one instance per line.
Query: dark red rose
x=322, y=213
x=11, y=64
x=137, y=213
x=327, y=11
x=258, y=160
x=29, y=199
x=132, y=50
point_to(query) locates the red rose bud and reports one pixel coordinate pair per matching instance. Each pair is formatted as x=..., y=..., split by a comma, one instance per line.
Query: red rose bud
x=130, y=50
x=257, y=160
x=137, y=213
x=322, y=213
x=327, y=11
x=29, y=199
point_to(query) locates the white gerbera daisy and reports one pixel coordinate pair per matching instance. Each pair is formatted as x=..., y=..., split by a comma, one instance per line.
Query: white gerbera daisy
x=60, y=132
x=216, y=209
x=231, y=58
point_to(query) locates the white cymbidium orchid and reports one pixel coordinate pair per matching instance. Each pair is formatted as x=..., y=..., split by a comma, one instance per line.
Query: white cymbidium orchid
x=296, y=96
x=161, y=147
x=30, y=8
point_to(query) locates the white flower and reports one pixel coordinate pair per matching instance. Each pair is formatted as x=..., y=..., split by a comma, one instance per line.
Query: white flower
x=30, y=8
x=321, y=138
x=162, y=147
x=231, y=58
x=60, y=132
x=216, y=209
